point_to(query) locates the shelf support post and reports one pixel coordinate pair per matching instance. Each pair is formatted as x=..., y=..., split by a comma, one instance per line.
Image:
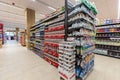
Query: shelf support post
x=66, y=20
x=30, y=19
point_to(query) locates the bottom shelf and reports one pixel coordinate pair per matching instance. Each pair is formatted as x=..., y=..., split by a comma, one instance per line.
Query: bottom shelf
x=38, y=53
x=84, y=78
x=108, y=55
x=54, y=63
x=81, y=74
x=107, y=52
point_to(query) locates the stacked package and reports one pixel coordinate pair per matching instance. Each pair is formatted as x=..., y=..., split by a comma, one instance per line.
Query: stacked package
x=81, y=27
x=54, y=33
x=67, y=61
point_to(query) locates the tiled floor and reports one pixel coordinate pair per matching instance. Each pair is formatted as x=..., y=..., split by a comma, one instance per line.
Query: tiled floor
x=18, y=63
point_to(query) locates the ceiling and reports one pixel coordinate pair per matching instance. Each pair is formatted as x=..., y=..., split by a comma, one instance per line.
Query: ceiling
x=14, y=15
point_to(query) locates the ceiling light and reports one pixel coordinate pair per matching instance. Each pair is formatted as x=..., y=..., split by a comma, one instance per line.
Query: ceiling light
x=34, y=0
x=51, y=8
x=8, y=5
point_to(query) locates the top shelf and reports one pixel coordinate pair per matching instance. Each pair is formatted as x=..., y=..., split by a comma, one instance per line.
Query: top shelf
x=52, y=17
x=49, y=18
x=107, y=24
x=78, y=6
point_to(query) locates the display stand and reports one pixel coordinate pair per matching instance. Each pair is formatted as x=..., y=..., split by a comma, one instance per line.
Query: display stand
x=80, y=29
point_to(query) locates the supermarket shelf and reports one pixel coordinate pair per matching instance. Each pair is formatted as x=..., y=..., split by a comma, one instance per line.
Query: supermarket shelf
x=38, y=53
x=55, y=22
x=87, y=74
x=36, y=39
x=74, y=29
x=82, y=36
x=39, y=44
x=108, y=55
x=55, y=16
x=79, y=19
x=108, y=45
x=50, y=55
x=89, y=52
x=107, y=37
x=80, y=12
x=79, y=6
x=48, y=59
x=108, y=49
x=108, y=24
x=107, y=32
x=84, y=78
x=33, y=29
x=36, y=27
x=37, y=48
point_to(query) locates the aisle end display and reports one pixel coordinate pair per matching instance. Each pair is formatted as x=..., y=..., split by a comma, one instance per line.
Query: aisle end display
x=81, y=31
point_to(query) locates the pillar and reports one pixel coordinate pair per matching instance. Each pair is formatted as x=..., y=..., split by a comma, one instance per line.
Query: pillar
x=17, y=30
x=30, y=18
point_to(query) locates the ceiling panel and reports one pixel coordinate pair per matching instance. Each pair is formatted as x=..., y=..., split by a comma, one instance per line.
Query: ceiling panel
x=11, y=9
x=9, y=15
x=11, y=20
x=37, y=6
x=54, y=3
x=11, y=26
x=15, y=14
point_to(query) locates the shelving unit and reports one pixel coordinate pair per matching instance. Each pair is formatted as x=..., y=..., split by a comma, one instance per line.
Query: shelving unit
x=54, y=34
x=108, y=40
x=45, y=36
x=37, y=39
x=81, y=30
x=67, y=60
x=1, y=35
x=68, y=40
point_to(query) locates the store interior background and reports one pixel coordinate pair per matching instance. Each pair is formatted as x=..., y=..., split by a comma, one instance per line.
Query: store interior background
x=13, y=17
x=12, y=12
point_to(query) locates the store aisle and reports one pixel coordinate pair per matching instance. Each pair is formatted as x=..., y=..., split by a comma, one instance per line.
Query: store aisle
x=18, y=63
x=106, y=68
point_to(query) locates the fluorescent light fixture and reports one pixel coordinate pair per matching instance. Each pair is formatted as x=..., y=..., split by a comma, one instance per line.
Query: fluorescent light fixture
x=34, y=0
x=119, y=9
x=51, y=8
x=11, y=6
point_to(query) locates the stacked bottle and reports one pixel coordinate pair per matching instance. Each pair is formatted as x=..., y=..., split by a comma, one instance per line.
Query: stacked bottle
x=54, y=33
x=67, y=60
x=81, y=25
x=108, y=40
x=37, y=39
